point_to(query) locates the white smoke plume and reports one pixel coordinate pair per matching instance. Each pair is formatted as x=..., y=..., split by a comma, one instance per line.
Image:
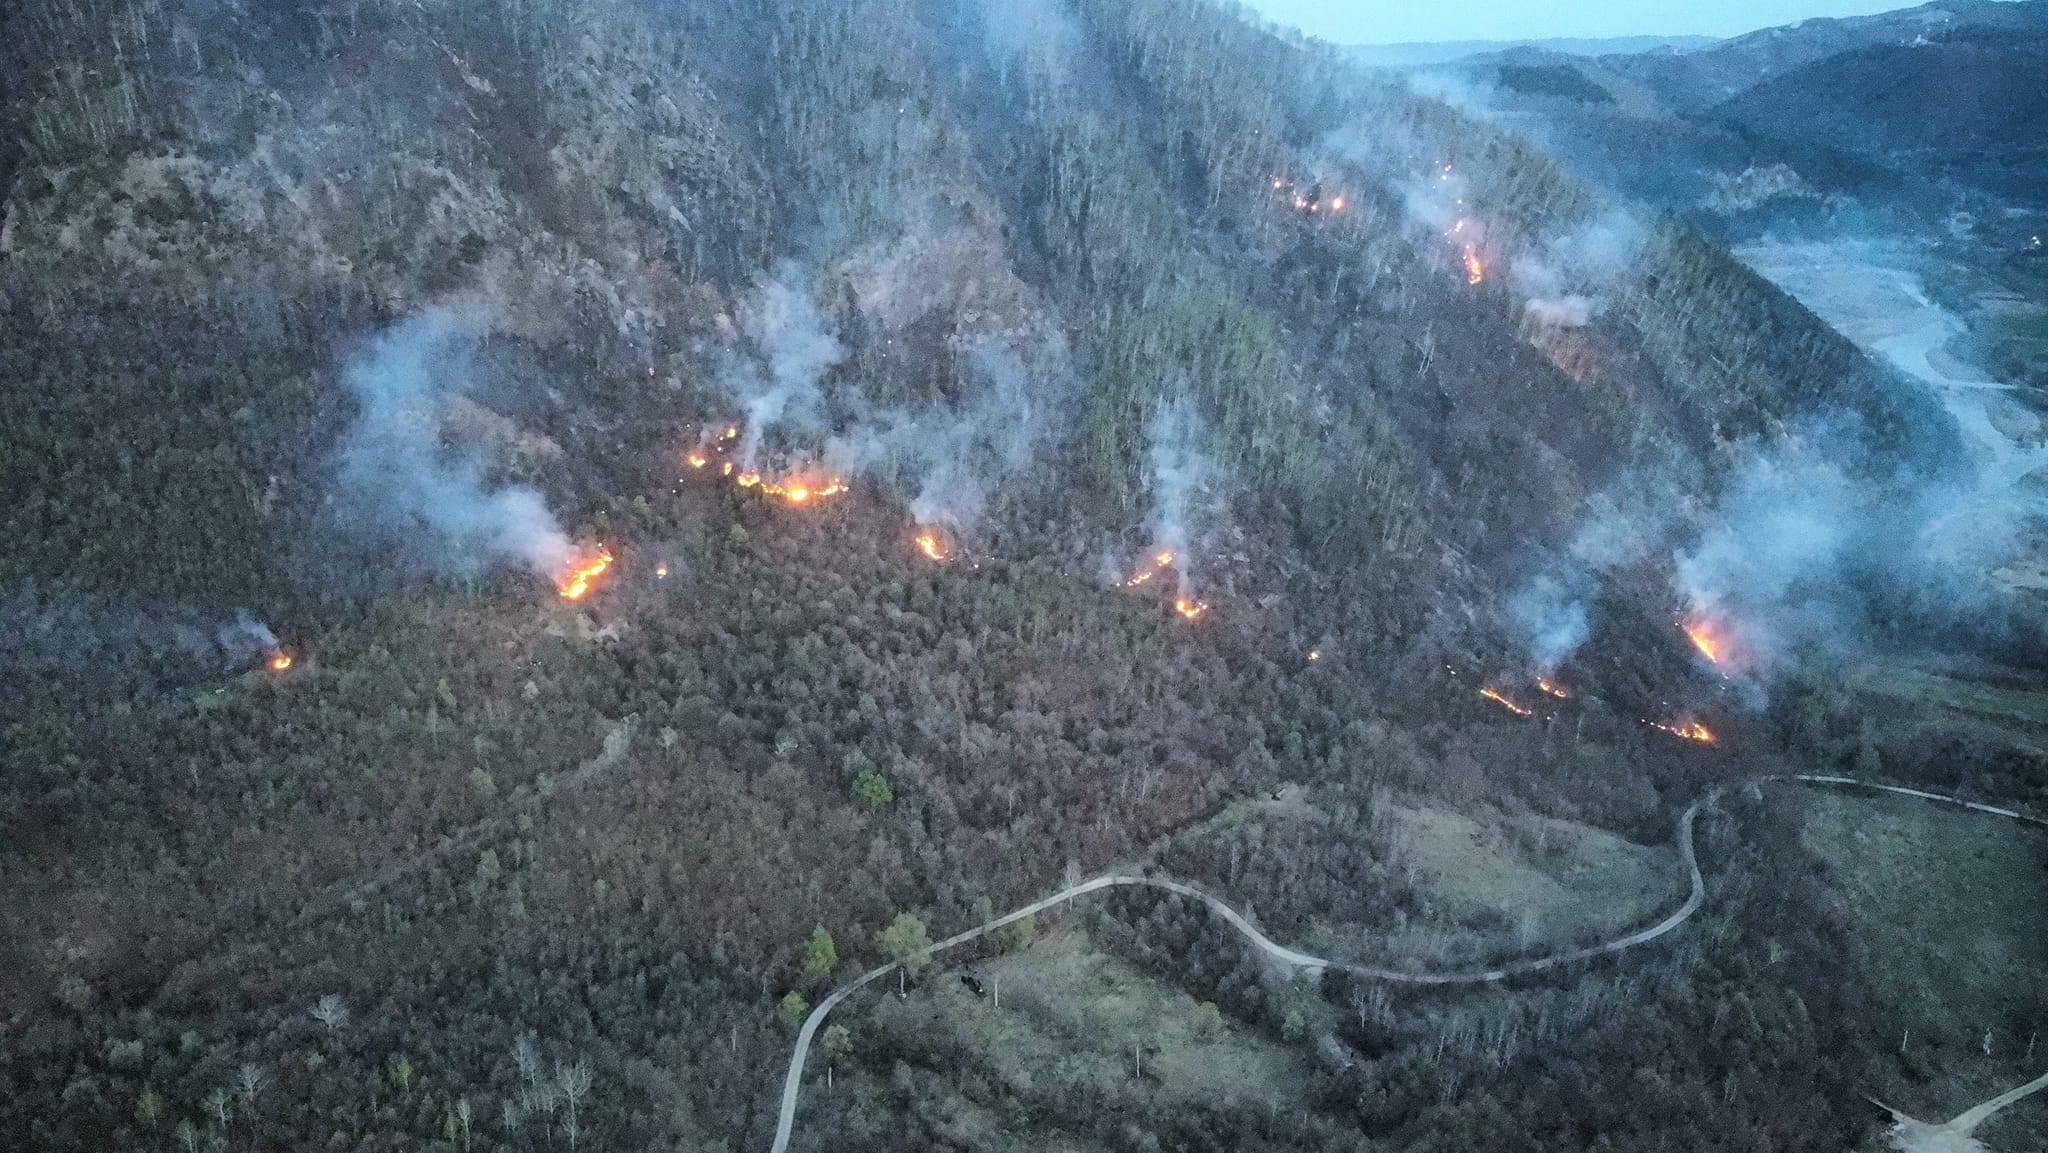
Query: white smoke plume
x=245, y=638
x=792, y=351
x=1566, y=283
x=39, y=632
x=1816, y=547
x=1036, y=36
x=1553, y=608
x=1185, y=482
x=1818, y=541
x=947, y=458
x=397, y=479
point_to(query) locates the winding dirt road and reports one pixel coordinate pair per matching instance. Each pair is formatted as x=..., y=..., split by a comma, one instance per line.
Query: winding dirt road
x=792, y=1085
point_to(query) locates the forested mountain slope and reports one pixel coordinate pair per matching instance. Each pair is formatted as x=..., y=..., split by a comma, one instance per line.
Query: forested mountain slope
x=336, y=331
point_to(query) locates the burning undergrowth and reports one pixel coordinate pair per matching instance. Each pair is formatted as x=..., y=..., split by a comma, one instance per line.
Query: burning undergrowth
x=1188, y=513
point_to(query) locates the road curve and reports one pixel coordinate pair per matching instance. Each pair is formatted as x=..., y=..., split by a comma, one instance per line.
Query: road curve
x=792, y=1084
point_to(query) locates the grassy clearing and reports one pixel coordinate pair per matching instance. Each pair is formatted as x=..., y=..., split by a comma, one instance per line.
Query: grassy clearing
x=1062, y=1017
x=1524, y=882
x=1953, y=910
x=1920, y=685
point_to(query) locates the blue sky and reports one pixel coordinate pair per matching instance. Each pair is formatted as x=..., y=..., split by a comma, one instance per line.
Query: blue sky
x=1395, y=21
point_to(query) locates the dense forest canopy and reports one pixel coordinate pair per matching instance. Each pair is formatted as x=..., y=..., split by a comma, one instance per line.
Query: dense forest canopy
x=994, y=438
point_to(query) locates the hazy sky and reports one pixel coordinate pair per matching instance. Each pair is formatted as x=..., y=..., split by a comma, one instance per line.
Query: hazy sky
x=1396, y=21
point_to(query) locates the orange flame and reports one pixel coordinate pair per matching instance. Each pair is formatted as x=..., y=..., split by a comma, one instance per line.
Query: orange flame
x=1553, y=688
x=1689, y=730
x=1139, y=578
x=1191, y=609
x=796, y=490
x=725, y=469
x=1709, y=638
x=1501, y=699
x=1475, y=269
x=730, y=433
x=576, y=585
x=934, y=549
x=698, y=460
x=280, y=661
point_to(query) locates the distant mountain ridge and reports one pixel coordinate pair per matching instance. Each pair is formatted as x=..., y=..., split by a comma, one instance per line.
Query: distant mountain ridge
x=1421, y=54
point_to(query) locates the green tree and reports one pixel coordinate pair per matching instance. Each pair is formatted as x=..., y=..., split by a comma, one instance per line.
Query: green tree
x=838, y=1042
x=873, y=789
x=149, y=1106
x=906, y=939
x=402, y=1073
x=794, y=1007
x=736, y=536
x=821, y=955
x=1294, y=1026
x=1018, y=934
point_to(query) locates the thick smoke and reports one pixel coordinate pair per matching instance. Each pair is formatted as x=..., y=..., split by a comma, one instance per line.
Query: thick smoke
x=1815, y=546
x=1821, y=540
x=1185, y=482
x=1565, y=284
x=793, y=350
x=396, y=478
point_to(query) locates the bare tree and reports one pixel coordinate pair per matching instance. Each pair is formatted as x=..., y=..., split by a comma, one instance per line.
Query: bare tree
x=221, y=1103
x=252, y=1079
x=463, y=1117
x=574, y=1081
x=527, y=1058
x=331, y=1011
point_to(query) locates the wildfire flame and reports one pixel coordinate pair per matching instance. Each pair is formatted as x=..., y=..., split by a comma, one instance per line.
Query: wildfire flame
x=1308, y=199
x=1139, y=578
x=1501, y=699
x=1689, y=730
x=1191, y=609
x=280, y=661
x=798, y=491
x=1475, y=269
x=934, y=548
x=698, y=460
x=1711, y=638
x=1315, y=655
x=1553, y=688
x=576, y=585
